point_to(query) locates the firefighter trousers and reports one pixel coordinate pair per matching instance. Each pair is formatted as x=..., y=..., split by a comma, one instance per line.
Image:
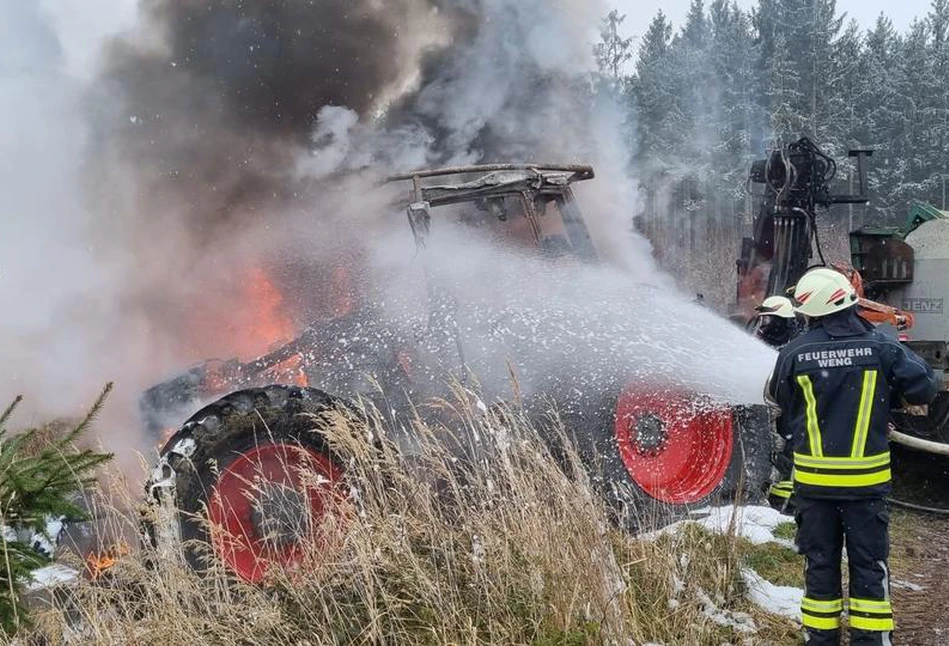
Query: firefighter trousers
x=823, y=528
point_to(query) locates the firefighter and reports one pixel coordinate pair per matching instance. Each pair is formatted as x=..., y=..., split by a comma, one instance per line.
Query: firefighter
x=776, y=323
x=835, y=385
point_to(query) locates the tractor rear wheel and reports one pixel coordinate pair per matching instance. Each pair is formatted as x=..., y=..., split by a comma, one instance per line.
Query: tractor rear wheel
x=255, y=479
x=657, y=452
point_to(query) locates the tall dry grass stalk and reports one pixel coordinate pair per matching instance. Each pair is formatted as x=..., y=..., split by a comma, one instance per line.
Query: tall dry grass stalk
x=476, y=535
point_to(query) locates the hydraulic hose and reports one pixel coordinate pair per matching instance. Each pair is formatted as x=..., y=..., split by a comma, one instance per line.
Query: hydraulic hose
x=926, y=446
x=920, y=508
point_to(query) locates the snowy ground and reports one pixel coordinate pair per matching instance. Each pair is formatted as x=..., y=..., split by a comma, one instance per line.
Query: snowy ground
x=757, y=525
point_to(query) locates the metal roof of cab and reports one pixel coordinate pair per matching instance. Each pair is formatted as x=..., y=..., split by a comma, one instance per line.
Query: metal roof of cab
x=493, y=179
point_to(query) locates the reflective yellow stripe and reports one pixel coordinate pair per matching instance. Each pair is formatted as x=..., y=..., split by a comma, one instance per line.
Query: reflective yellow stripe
x=843, y=479
x=816, y=605
x=821, y=623
x=781, y=492
x=864, y=414
x=820, y=614
x=813, y=428
x=869, y=624
x=871, y=606
x=842, y=463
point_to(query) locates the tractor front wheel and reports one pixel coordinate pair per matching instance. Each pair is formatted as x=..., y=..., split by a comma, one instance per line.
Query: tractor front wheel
x=255, y=482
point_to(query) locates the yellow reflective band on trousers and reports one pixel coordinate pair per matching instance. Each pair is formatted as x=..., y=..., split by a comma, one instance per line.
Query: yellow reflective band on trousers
x=813, y=428
x=870, y=615
x=782, y=489
x=834, y=471
x=864, y=413
x=821, y=615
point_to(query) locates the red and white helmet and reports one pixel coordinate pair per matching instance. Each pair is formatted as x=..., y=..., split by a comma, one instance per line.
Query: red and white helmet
x=776, y=306
x=824, y=291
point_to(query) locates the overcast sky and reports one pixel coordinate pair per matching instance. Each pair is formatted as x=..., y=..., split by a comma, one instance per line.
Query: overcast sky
x=641, y=12
x=81, y=24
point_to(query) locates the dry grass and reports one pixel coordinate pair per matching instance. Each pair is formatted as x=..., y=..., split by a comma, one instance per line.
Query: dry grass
x=491, y=542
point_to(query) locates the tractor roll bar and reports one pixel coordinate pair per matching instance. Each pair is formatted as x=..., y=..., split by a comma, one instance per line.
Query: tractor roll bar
x=582, y=172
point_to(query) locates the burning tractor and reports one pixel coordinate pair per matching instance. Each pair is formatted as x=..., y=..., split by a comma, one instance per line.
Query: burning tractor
x=650, y=445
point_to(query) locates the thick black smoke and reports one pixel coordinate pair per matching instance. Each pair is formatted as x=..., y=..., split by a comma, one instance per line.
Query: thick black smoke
x=211, y=103
x=270, y=66
x=218, y=100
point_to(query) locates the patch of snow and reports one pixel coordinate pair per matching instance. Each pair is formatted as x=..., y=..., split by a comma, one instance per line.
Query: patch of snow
x=45, y=542
x=739, y=621
x=754, y=523
x=778, y=599
x=906, y=585
x=46, y=577
x=42, y=542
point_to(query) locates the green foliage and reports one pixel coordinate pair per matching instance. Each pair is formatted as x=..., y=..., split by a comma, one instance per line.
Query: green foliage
x=776, y=563
x=588, y=635
x=786, y=531
x=40, y=475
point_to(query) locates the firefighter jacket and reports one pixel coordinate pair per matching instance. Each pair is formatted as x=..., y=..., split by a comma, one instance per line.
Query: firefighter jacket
x=835, y=385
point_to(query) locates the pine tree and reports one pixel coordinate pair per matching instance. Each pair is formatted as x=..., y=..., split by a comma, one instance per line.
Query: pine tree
x=846, y=87
x=797, y=41
x=917, y=83
x=732, y=55
x=655, y=98
x=880, y=113
x=740, y=124
x=613, y=51
x=38, y=481
x=697, y=90
x=938, y=162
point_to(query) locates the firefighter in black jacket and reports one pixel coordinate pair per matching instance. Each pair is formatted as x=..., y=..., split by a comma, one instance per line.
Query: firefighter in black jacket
x=776, y=323
x=835, y=386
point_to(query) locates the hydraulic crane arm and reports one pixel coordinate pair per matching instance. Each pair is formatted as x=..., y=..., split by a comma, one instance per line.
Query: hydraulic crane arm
x=796, y=180
x=873, y=311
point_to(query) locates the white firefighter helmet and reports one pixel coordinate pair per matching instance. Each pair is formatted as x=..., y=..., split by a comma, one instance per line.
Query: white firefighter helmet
x=824, y=291
x=776, y=306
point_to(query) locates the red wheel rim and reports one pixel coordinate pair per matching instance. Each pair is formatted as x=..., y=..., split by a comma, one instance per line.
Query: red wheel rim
x=676, y=445
x=246, y=529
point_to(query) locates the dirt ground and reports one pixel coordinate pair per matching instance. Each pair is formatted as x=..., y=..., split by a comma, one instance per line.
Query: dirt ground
x=919, y=561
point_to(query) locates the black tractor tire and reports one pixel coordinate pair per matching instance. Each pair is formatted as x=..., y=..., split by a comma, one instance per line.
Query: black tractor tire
x=218, y=434
x=590, y=425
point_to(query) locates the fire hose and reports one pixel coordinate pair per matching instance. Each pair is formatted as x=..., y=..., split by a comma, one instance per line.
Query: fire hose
x=937, y=511
x=927, y=446
x=933, y=448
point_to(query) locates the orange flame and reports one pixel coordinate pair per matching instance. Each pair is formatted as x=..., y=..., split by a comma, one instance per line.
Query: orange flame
x=98, y=564
x=289, y=371
x=269, y=322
